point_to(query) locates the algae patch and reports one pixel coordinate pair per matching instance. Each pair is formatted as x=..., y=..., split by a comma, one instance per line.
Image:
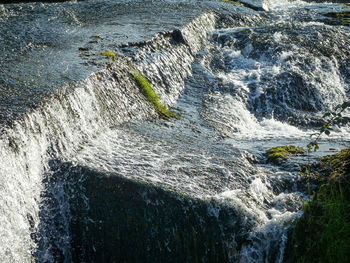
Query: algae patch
x=280, y=154
x=152, y=97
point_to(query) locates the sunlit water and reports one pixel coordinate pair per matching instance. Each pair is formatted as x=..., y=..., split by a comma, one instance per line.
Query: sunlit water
x=242, y=83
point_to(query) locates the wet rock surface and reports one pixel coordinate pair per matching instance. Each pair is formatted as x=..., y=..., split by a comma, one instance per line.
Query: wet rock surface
x=90, y=172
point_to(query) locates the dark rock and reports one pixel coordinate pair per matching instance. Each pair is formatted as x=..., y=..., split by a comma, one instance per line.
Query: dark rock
x=177, y=37
x=119, y=220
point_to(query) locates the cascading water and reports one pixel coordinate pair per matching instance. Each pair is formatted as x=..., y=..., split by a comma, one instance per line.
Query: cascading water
x=90, y=174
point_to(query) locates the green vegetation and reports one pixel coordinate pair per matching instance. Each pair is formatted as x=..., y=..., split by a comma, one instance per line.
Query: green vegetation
x=280, y=154
x=110, y=55
x=233, y=2
x=330, y=119
x=322, y=234
x=152, y=97
x=336, y=166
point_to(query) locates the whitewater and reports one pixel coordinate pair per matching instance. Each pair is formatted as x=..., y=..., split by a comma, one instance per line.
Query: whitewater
x=91, y=173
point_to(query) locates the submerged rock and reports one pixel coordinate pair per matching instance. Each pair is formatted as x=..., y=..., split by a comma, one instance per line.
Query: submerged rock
x=339, y=18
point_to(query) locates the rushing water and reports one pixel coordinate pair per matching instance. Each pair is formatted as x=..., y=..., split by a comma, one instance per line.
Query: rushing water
x=89, y=173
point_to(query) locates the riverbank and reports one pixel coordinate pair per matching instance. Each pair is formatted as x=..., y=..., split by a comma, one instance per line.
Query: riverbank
x=322, y=234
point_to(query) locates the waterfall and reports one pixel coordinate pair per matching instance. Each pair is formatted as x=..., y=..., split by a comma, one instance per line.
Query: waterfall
x=90, y=173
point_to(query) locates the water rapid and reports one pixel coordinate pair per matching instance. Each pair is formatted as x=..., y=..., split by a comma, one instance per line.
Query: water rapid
x=90, y=173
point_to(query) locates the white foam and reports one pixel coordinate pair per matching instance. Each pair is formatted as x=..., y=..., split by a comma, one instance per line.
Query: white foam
x=286, y=4
x=228, y=110
x=260, y=4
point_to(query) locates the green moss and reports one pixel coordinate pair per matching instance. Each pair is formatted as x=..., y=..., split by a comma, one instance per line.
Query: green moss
x=280, y=154
x=322, y=234
x=233, y=2
x=110, y=55
x=152, y=97
x=336, y=166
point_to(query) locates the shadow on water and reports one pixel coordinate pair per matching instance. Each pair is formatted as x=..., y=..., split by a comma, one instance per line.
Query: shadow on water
x=98, y=217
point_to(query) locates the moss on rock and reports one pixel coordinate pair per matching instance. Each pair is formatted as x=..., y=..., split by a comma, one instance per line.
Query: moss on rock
x=110, y=55
x=280, y=154
x=233, y=2
x=322, y=234
x=152, y=97
x=336, y=166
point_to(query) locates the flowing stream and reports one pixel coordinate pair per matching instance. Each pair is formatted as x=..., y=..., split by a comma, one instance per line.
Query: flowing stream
x=90, y=173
